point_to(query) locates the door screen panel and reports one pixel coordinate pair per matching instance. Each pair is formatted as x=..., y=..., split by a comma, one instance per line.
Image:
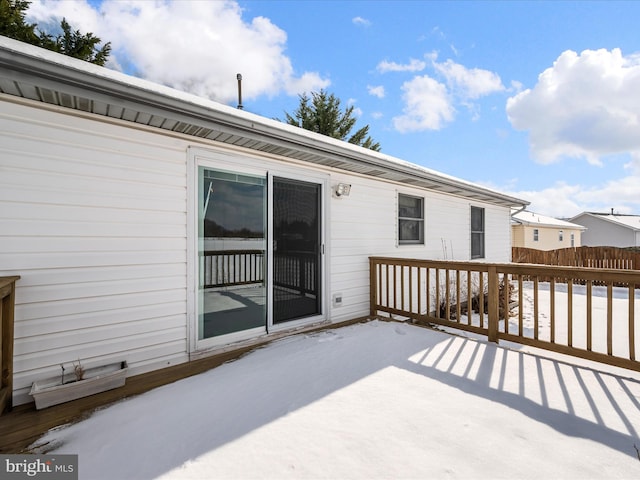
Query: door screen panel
x=296, y=250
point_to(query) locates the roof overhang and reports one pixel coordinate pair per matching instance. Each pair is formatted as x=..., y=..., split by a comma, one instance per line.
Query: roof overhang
x=40, y=75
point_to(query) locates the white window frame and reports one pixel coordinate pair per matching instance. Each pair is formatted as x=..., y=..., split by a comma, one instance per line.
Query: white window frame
x=474, y=233
x=536, y=235
x=419, y=220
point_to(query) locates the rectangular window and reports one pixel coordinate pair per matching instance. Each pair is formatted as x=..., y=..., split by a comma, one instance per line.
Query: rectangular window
x=477, y=232
x=560, y=235
x=573, y=240
x=535, y=234
x=410, y=220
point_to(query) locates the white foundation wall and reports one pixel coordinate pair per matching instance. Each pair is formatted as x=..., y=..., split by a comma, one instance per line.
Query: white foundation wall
x=365, y=224
x=93, y=219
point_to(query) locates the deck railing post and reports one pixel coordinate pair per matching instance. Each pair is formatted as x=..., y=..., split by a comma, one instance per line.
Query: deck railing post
x=373, y=287
x=493, y=303
x=7, y=304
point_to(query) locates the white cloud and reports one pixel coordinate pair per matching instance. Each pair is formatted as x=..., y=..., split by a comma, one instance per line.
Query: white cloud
x=565, y=200
x=361, y=21
x=469, y=83
x=427, y=106
x=516, y=86
x=430, y=104
x=194, y=46
x=307, y=82
x=377, y=91
x=413, y=66
x=558, y=201
x=634, y=164
x=79, y=14
x=621, y=194
x=585, y=106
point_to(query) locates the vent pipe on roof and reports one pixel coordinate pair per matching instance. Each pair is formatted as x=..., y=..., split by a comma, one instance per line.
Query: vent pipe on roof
x=239, y=77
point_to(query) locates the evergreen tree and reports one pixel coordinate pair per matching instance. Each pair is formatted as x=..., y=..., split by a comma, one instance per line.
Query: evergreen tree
x=70, y=42
x=77, y=45
x=12, y=22
x=322, y=114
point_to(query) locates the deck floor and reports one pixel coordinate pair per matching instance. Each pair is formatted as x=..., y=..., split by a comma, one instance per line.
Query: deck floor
x=21, y=427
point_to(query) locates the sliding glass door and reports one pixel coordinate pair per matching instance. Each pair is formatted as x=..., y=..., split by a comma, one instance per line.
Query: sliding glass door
x=259, y=263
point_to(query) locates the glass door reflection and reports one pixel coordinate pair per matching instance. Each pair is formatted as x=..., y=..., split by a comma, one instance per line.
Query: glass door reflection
x=232, y=253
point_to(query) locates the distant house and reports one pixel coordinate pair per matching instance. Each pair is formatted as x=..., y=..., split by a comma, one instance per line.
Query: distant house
x=609, y=229
x=531, y=230
x=156, y=227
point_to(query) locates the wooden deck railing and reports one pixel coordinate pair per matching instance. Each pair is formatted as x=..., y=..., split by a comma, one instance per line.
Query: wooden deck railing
x=569, y=314
x=7, y=303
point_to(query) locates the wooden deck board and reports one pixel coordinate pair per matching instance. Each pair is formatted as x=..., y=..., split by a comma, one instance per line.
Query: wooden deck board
x=22, y=426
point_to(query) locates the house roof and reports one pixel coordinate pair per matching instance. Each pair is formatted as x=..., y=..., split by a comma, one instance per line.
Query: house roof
x=37, y=74
x=533, y=219
x=627, y=221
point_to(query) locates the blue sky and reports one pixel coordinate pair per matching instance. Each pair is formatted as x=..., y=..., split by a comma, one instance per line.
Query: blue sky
x=536, y=99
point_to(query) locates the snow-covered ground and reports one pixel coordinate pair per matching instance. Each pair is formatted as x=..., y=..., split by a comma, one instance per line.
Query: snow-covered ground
x=374, y=400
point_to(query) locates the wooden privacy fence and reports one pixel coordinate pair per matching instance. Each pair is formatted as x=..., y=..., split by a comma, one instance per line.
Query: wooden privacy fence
x=570, y=313
x=596, y=257
x=7, y=304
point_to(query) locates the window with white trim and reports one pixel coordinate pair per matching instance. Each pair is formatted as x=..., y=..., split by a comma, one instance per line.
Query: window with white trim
x=410, y=220
x=560, y=235
x=535, y=234
x=477, y=232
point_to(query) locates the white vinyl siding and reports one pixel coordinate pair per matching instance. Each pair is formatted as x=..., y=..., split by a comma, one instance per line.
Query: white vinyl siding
x=602, y=232
x=497, y=234
x=94, y=221
x=365, y=224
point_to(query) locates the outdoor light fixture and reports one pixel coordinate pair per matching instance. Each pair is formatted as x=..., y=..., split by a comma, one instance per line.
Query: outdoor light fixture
x=343, y=190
